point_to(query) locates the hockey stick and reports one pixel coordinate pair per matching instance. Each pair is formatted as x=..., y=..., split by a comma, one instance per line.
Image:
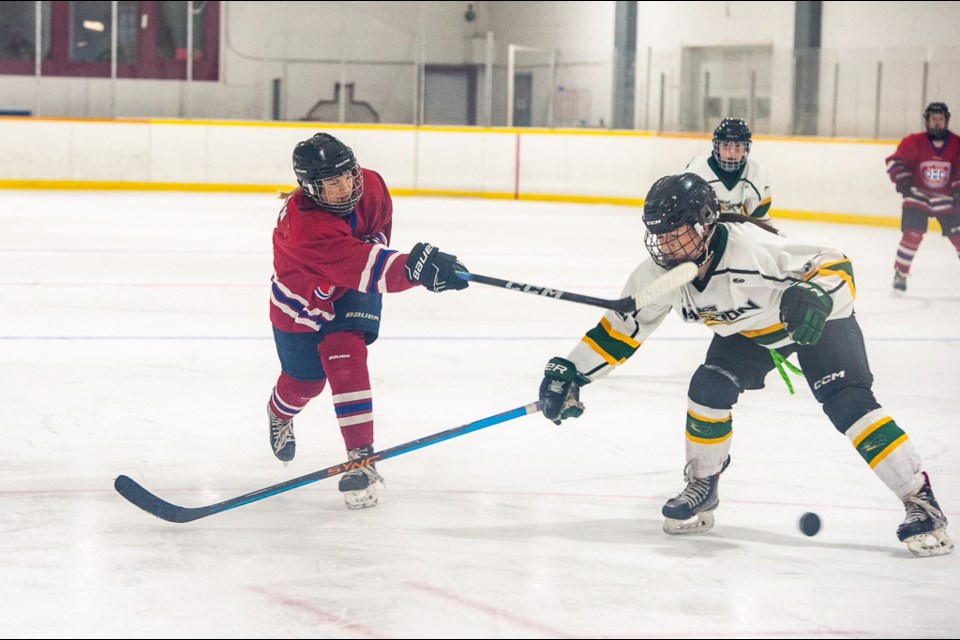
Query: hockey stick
x=673, y=279
x=135, y=493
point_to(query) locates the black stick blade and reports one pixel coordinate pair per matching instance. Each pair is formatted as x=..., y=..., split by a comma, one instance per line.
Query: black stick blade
x=137, y=495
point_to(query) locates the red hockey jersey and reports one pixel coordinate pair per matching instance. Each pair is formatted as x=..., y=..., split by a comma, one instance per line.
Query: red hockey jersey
x=318, y=256
x=935, y=173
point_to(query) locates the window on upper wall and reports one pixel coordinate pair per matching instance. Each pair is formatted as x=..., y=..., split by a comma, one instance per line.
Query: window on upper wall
x=17, y=20
x=172, y=30
x=91, y=29
x=76, y=39
x=18, y=36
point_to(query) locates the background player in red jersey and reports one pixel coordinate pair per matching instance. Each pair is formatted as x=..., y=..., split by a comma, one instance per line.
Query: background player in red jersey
x=331, y=266
x=926, y=169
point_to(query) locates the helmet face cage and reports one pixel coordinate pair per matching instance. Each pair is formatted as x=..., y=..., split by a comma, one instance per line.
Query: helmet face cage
x=680, y=214
x=328, y=173
x=736, y=131
x=326, y=192
x=686, y=244
x=941, y=108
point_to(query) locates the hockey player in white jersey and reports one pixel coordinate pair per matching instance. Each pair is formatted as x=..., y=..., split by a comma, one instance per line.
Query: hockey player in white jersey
x=761, y=294
x=742, y=186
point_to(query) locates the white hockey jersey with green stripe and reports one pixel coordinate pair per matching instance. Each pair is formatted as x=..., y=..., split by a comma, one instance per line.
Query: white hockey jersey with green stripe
x=746, y=191
x=740, y=293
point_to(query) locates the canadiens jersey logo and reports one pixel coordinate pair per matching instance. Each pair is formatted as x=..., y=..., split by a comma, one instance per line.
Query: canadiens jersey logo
x=324, y=294
x=936, y=173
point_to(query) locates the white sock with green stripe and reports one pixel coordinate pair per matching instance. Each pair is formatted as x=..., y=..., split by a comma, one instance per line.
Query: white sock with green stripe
x=709, y=435
x=888, y=451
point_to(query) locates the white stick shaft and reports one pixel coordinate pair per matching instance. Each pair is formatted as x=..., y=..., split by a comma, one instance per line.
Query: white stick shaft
x=670, y=281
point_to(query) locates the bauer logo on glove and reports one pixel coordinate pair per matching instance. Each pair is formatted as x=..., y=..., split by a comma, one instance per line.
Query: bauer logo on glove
x=560, y=390
x=435, y=270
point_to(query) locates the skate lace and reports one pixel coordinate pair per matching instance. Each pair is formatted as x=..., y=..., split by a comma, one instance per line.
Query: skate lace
x=370, y=470
x=695, y=492
x=919, y=509
x=282, y=433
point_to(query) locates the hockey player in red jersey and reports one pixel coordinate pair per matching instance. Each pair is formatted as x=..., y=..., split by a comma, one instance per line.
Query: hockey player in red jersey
x=331, y=266
x=926, y=170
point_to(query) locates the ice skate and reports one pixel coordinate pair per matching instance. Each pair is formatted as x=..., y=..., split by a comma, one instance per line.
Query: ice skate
x=282, y=442
x=360, y=487
x=925, y=528
x=692, y=510
x=899, y=283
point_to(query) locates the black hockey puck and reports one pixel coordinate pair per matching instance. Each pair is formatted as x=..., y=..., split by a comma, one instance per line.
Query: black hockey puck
x=809, y=524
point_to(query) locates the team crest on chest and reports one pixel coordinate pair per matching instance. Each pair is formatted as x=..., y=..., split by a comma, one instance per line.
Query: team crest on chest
x=936, y=173
x=710, y=314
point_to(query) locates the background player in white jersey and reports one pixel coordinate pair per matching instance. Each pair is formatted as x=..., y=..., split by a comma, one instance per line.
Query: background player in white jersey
x=758, y=292
x=741, y=185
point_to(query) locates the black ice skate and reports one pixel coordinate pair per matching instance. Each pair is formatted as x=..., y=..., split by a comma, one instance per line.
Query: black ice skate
x=899, y=283
x=360, y=486
x=282, y=442
x=925, y=528
x=692, y=510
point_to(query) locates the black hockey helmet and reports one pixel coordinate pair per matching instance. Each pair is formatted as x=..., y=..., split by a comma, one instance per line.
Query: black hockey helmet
x=672, y=203
x=323, y=157
x=732, y=130
x=937, y=107
x=684, y=198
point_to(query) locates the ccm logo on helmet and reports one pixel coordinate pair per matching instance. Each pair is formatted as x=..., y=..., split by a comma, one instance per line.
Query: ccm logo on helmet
x=827, y=379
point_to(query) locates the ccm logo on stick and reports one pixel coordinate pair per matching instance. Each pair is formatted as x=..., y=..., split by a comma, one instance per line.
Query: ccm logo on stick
x=529, y=288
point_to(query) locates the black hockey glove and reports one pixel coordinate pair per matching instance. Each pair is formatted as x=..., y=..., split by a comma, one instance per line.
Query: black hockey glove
x=560, y=390
x=434, y=269
x=804, y=309
x=903, y=185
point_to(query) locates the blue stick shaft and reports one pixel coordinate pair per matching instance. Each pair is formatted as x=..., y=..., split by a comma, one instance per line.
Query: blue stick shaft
x=139, y=496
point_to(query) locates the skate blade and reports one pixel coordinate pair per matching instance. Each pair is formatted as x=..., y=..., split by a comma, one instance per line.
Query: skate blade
x=700, y=523
x=925, y=545
x=362, y=499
